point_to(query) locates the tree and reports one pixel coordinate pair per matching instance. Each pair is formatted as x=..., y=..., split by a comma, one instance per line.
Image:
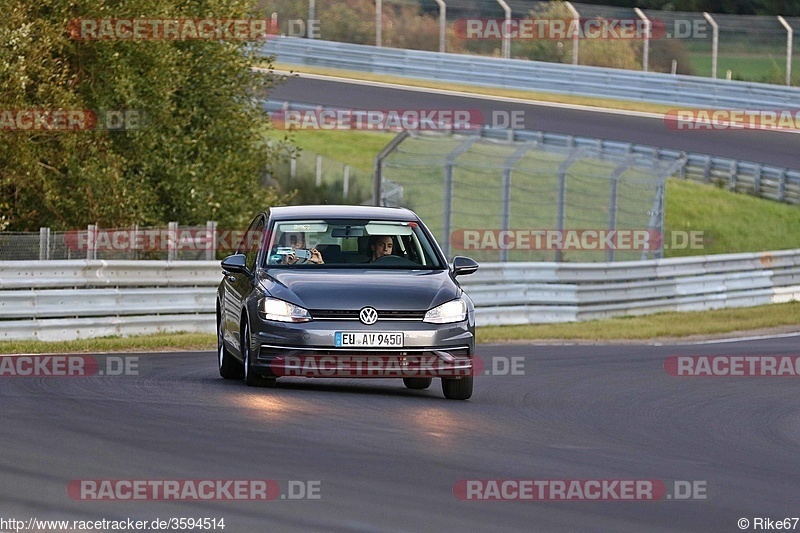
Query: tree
x=198, y=150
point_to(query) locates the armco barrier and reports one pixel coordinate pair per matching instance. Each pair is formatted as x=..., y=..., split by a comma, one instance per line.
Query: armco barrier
x=527, y=75
x=61, y=300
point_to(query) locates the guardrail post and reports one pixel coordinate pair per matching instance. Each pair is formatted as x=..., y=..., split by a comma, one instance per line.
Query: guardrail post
x=346, y=181
x=734, y=172
x=782, y=186
x=576, y=18
x=647, y=30
x=789, y=33
x=318, y=171
x=757, y=180
x=211, y=240
x=707, y=170
x=714, y=43
x=44, y=244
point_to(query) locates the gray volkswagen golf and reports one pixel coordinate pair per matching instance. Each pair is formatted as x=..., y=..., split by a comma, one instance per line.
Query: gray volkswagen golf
x=345, y=291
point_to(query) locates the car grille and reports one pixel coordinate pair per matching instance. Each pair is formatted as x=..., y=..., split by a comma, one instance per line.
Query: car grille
x=335, y=314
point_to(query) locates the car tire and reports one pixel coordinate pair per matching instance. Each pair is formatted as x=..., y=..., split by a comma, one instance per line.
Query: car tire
x=417, y=383
x=229, y=367
x=252, y=378
x=457, y=389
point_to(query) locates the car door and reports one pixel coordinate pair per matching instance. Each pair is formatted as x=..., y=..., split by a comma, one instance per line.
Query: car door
x=239, y=285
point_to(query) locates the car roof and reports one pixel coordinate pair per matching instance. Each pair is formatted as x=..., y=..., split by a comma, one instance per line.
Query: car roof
x=341, y=211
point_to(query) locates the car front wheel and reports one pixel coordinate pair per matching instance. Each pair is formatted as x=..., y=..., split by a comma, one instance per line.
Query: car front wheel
x=252, y=378
x=229, y=367
x=457, y=389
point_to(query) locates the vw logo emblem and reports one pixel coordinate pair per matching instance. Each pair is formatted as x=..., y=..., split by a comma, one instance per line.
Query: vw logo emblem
x=368, y=316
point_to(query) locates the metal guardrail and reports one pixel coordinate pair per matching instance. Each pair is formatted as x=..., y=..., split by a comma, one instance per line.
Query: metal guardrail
x=62, y=300
x=771, y=182
x=653, y=87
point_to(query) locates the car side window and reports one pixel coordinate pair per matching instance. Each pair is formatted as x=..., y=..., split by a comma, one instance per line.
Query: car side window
x=253, y=240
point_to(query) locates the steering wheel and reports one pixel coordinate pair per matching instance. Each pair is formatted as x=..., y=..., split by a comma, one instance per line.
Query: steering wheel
x=394, y=260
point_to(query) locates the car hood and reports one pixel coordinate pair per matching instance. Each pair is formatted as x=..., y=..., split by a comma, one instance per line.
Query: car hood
x=390, y=290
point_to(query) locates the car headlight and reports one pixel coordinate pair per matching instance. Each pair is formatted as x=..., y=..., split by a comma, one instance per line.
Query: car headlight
x=452, y=311
x=274, y=309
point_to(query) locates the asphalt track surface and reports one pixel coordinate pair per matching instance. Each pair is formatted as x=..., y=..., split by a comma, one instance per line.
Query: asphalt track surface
x=768, y=147
x=388, y=458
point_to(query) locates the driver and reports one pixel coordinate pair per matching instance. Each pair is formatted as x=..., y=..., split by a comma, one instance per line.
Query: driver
x=381, y=246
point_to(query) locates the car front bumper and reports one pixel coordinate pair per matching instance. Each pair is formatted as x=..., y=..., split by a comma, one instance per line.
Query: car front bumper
x=309, y=350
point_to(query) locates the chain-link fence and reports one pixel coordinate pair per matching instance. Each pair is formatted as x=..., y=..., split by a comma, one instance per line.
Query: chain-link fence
x=176, y=243
x=522, y=201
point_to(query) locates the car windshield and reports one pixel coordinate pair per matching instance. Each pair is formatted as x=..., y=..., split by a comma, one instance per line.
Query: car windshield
x=351, y=244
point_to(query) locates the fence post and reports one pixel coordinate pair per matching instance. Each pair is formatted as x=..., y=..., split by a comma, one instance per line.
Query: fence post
x=378, y=22
x=211, y=242
x=319, y=170
x=576, y=17
x=506, y=47
x=312, y=15
x=172, y=241
x=44, y=244
x=91, y=242
x=714, y=43
x=647, y=30
x=789, y=34
x=377, y=175
x=293, y=166
x=442, y=25
x=346, y=182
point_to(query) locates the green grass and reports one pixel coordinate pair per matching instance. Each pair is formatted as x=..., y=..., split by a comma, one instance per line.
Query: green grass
x=730, y=222
x=769, y=68
x=144, y=343
x=661, y=325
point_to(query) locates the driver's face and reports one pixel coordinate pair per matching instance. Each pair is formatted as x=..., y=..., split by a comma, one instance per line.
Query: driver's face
x=382, y=247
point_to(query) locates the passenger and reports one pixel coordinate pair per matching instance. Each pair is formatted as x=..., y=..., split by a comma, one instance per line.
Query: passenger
x=299, y=243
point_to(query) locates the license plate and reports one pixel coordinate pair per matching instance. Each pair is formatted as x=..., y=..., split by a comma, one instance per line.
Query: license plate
x=369, y=340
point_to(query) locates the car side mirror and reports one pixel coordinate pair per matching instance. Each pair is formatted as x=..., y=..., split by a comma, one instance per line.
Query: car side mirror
x=234, y=263
x=463, y=266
